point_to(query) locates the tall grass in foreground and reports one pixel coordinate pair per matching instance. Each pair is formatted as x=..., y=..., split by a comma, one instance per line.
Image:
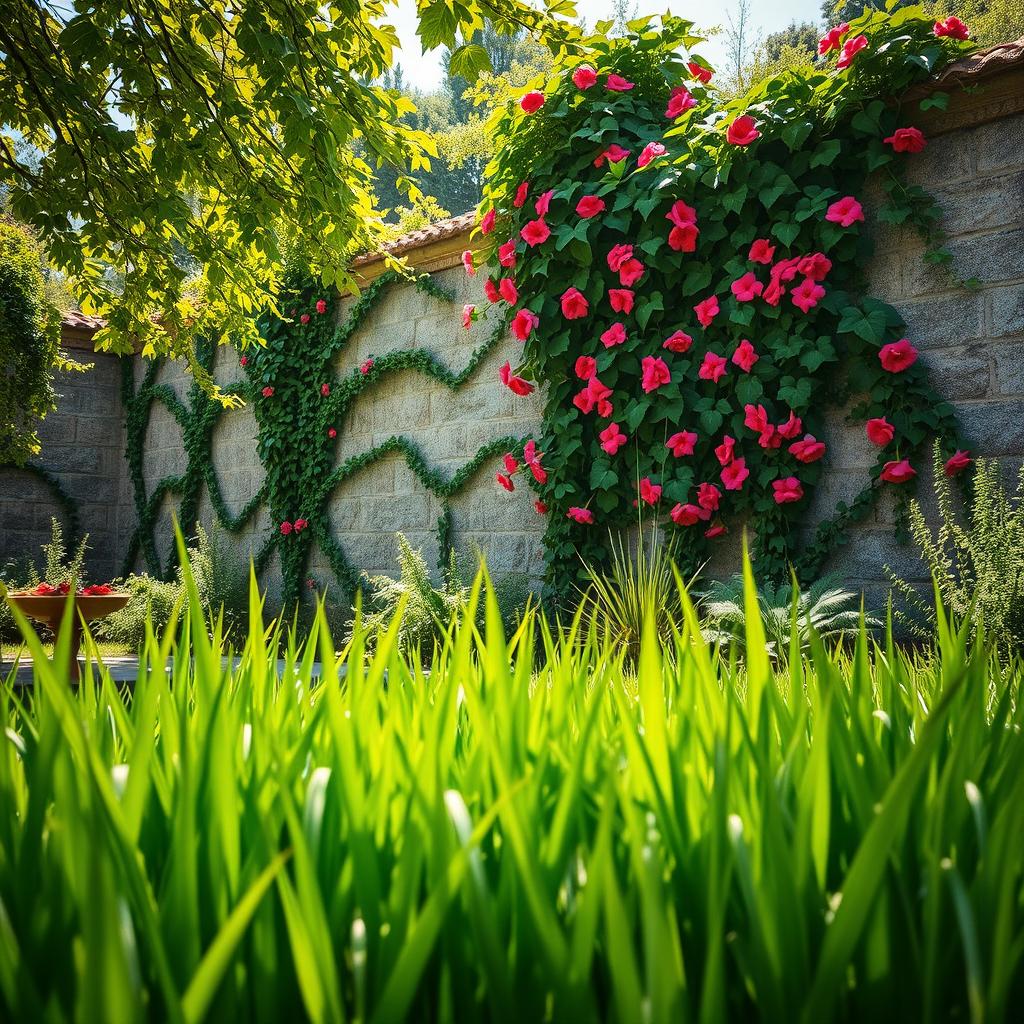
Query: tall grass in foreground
x=529, y=832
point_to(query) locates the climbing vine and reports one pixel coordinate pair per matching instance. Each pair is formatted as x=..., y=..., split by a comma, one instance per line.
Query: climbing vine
x=686, y=275
x=300, y=406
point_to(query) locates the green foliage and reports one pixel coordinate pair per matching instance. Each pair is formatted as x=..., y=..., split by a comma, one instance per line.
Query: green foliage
x=60, y=565
x=527, y=832
x=821, y=134
x=975, y=556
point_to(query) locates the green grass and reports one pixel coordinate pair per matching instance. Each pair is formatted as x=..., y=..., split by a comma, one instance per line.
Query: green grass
x=533, y=831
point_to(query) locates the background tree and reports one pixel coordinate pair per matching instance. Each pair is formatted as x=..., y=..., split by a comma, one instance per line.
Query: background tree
x=793, y=48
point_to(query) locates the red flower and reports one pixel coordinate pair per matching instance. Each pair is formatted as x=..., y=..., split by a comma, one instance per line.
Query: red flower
x=507, y=253
x=745, y=356
x=467, y=262
x=487, y=222
x=707, y=310
x=517, y=385
x=590, y=206
x=756, y=418
x=715, y=531
x=845, y=211
x=898, y=472
x=491, y=290
x=521, y=193
x=286, y=528
x=586, y=367
x=791, y=427
x=304, y=319
x=543, y=203
x=700, y=72
x=880, y=431
x=734, y=474
x=773, y=293
x=618, y=255
x=897, y=355
x=468, y=315
x=907, y=140
x=787, y=490
x=681, y=214
x=96, y=590
x=300, y=525
x=957, y=463
x=679, y=102
x=726, y=451
x=650, y=152
x=244, y=361
x=708, y=497
x=366, y=367
x=743, y=131
x=268, y=392
x=321, y=306
x=332, y=433
x=815, y=266
x=581, y=515
x=952, y=27
x=508, y=291
x=574, y=304
x=505, y=481
x=534, y=232
x=532, y=102
x=807, y=294
x=746, y=288
x=807, y=450
x=683, y=239
x=850, y=50
x=595, y=393
x=532, y=458
x=523, y=323
x=630, y=272
x=786, y=270
x=613, y=154
x=650, y=493
x=615, y=335
x=762, y=251
x=833, y=39
x=680, y=341
x=584, y=77
x=687, y=515
x=713, y=368
x=655, y=373
x=621, y=300
x=618, y=84
x=539, y=507
x=682, y=443
x=511, y=463
x=325, y=389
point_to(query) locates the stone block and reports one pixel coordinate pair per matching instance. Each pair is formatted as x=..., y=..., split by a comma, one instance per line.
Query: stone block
x=1009, y=361
x=1007, y=309
x=98, y=431
x=991, y=258
x=994, y=427
x=944, y=320
x=960, y=374
x=980, y=203
x=998, y=145
x=946, y=158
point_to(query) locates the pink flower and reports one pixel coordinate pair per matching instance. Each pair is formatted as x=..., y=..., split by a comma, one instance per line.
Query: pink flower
x=590, y=206
x=907, y=140
x=755, y=417
x=898, y=472
x=726, y=451
x=586, y=367
x=505, y=481
x=584, y=77
x=807, y=450
x=746, y=288
x=734, y=474
x=574, y=304
x=700, y=72
x=532, y=458
x=833, y=39
x=487, y=221
x=786, y=270
x=534, y=232
x=244, y=361
x=539, y=507
x=897, y=355
x=791, y=427
x=618, y=255
x=743, y=131
x=762, y=251
x=507, y=253
x=679, y=102
x=618, y=84
x=682, y=443
x=630, y=272
x=286, y=528
x=683, y=239
x=880, y=431
x=491, y=290
x=300, y=525
x=681, y=214
x=650, y=493
x=468, y=315
x=521, y=193
x=713, y=368
x=787, y=490
x=679, y=341
x=523, y=323
x=708, y=497
x=957, y=463
x=366, y=367
x=517, y=385
x=332, y=433
x=612, y=438
x=615, y=335
x=815, y=266
x=304, y=319
x=952, y=27
x=321, y=306
x=581, y=515
x=850, y=50
x=655, y=373
x=594, y=394
x=532, y=102
x=745, y=356
x=613, y=154
x=687, y=515
x=467, y=262
x=845, y=211
x=807, y=295
x=773, y=293
x=325, y=389
x=543, y=203
x=650, y=152
x=508, y=291
x=621, y=300
x=715, y=531
x=511, y=463
x=268, y=392
x=707, y=310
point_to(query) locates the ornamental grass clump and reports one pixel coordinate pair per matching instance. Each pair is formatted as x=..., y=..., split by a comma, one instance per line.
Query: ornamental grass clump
x=532, y=831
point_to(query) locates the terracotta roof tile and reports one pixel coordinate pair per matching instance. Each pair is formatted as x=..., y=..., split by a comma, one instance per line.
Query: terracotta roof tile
x=436, y=232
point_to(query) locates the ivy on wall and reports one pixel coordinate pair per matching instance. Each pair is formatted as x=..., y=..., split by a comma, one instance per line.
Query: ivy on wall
x=687, y=278
x=300, y=406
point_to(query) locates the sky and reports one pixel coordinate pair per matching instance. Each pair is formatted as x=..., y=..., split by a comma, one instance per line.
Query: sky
x=423, y=71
